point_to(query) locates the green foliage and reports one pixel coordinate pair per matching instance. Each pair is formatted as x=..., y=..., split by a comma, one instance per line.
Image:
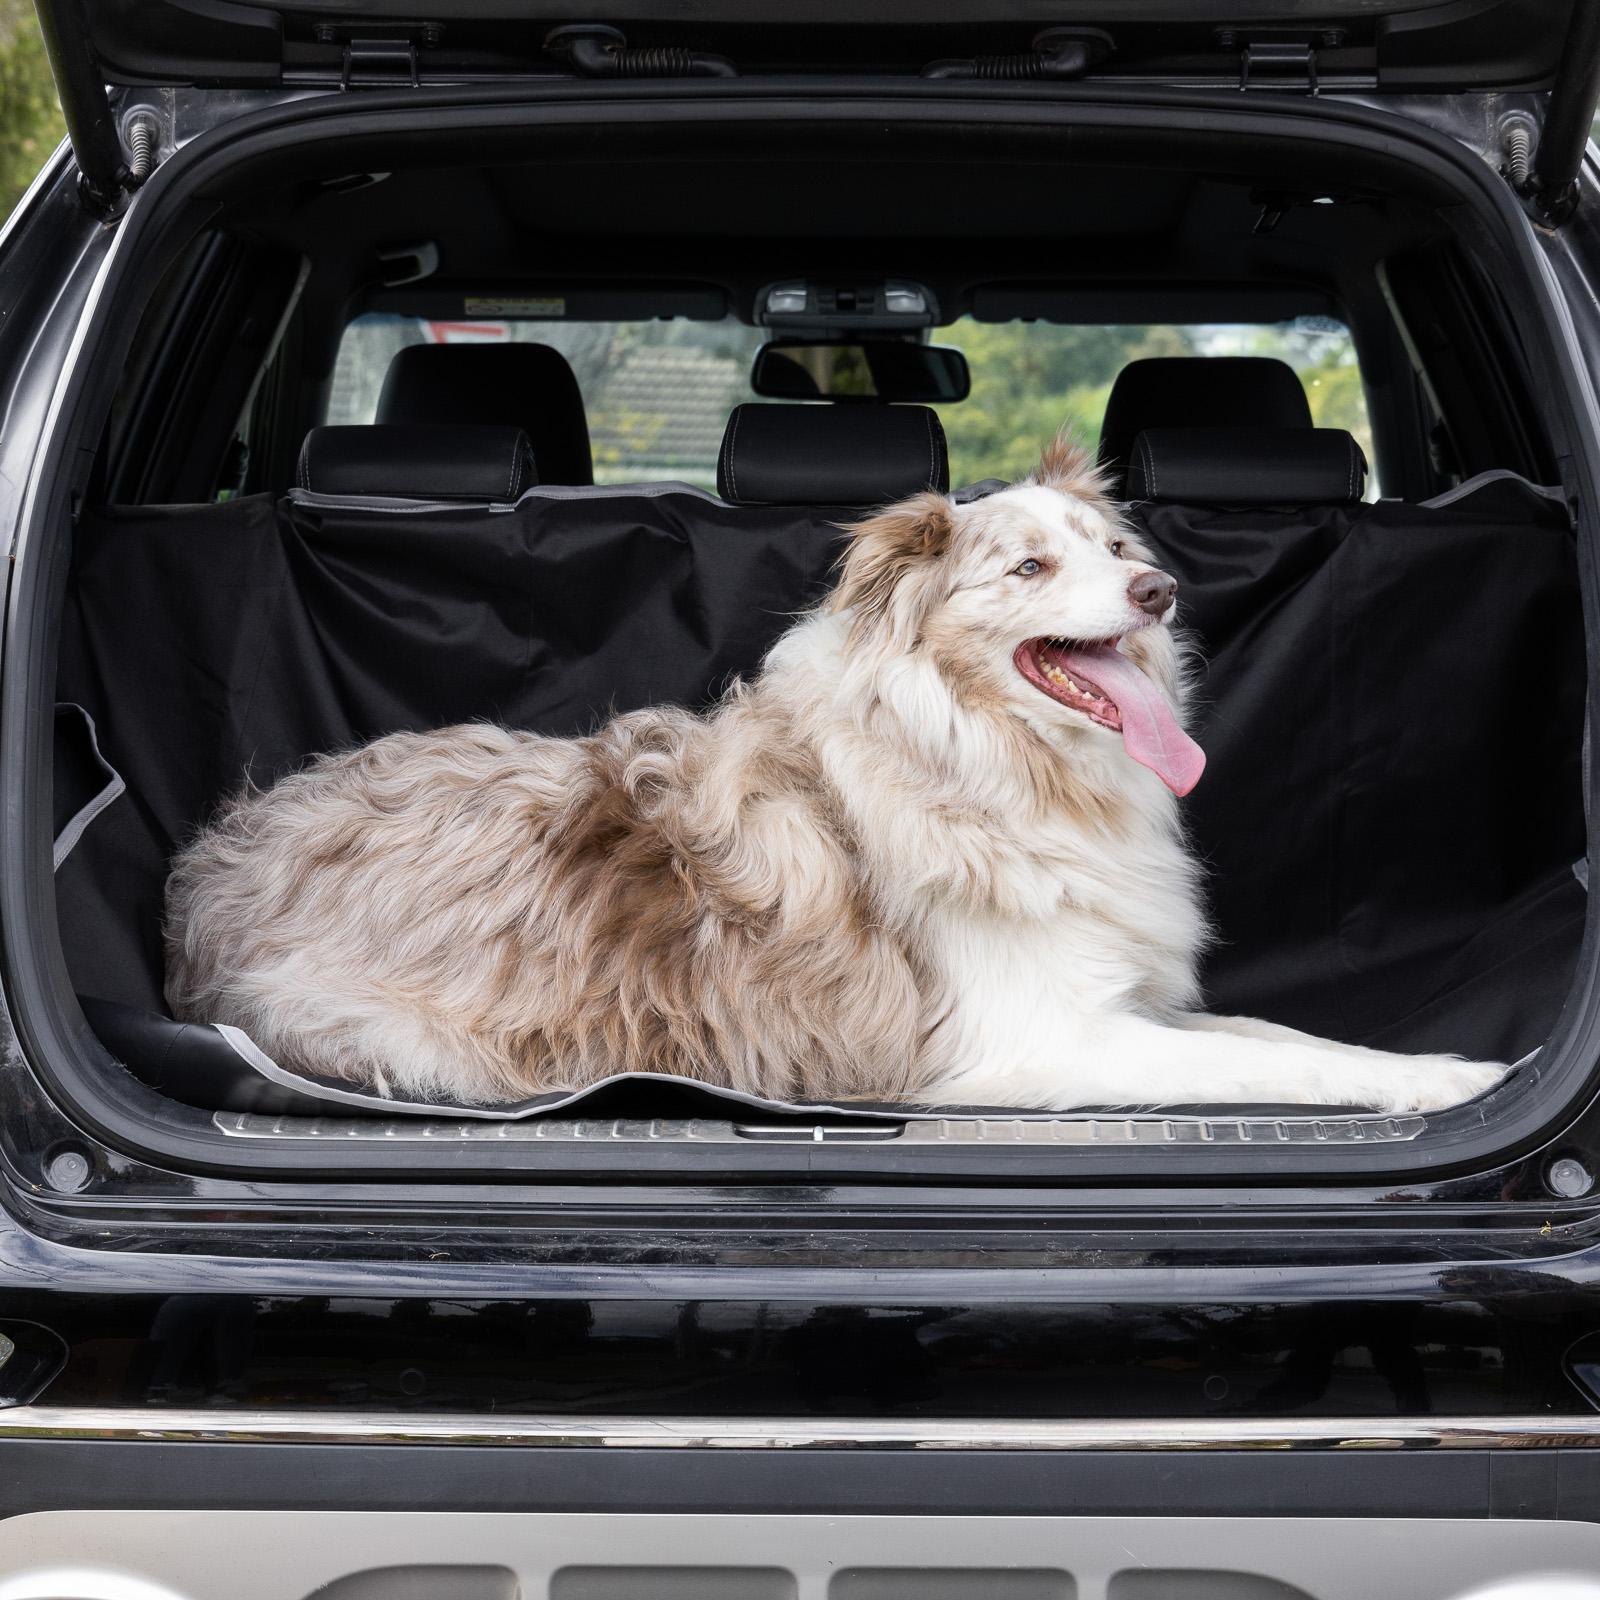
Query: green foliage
x=30, y=117
x=1326, y=363
x=1031, y=378
x=1336, y=398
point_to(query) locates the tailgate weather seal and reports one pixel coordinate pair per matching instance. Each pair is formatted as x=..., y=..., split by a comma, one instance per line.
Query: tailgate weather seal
x=803, y=1433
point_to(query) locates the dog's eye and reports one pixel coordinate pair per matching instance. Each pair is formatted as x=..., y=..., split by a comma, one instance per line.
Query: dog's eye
x=1028, y=569
x=1117, y=547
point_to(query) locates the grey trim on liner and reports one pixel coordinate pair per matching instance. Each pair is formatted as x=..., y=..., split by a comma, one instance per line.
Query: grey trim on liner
x=326, y=1089
x=1518, y=1432
x=910, y=1122
x=1496, y=475
x=66, y=841
x=399, y=505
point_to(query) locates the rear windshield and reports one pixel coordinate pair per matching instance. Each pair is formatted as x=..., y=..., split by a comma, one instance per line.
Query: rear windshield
x=658, y=393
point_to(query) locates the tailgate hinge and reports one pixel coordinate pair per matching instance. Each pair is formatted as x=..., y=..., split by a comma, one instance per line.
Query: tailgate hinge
x=374, y=62
x=1283, y=64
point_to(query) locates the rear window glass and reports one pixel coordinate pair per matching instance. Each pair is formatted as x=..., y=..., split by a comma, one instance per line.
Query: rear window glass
x=658, y=393
x=1030, y=377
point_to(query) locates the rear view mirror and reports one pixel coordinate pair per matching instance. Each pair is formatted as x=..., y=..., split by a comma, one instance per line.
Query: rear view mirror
x=868, y=369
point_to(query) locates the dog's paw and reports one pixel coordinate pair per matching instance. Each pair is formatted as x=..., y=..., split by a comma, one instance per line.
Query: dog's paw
x=1431, y=1083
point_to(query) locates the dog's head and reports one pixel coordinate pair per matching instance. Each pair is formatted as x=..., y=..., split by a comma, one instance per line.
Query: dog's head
x=1038, y=601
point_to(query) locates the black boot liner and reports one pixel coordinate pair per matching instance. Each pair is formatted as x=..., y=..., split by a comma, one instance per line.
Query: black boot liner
x=1391, y=702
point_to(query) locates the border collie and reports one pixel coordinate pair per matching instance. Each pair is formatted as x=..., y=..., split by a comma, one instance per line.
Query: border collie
x=932, y=853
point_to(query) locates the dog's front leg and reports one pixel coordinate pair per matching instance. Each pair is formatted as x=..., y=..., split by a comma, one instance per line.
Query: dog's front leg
x=1277, y=1033
x=1381, y=1061
x=1255, y=1028
x=1128, y=1061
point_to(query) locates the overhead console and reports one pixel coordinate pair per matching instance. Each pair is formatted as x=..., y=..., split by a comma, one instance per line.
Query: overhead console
x=827, y=309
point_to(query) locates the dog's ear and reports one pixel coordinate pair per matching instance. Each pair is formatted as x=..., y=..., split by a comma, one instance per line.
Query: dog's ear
x=887, y=549
x=1069, y=466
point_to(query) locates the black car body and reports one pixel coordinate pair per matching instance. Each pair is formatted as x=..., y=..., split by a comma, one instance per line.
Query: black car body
x=633, y=1351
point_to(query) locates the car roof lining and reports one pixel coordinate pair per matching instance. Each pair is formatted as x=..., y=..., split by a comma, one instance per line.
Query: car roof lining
x=964, y=224
x=1041, y=221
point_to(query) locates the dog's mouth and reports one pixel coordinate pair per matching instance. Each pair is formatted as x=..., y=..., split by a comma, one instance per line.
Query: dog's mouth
x=1061, y=670
x=1099, y=682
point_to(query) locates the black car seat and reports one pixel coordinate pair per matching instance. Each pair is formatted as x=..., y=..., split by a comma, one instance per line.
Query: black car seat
x=1197, y=392
x=526, y=386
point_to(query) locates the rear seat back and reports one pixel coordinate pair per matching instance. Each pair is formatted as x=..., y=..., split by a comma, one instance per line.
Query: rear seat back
x=863, y=455
x=1384, y=819
x=1197, y=392
x=403, y=461
x=526, y=386
x=1247, y=466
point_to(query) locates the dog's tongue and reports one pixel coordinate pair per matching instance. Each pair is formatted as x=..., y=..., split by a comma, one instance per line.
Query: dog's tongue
x=1150, y=732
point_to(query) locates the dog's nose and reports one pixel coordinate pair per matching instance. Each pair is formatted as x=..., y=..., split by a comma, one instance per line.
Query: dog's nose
x=1153, y=592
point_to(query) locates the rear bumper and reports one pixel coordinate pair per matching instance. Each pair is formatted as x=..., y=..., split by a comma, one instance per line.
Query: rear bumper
x=200, y=1505
x=1516, y=1468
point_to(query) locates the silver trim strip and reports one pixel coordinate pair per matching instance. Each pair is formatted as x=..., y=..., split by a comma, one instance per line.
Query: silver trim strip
x=792, y=1433
x=920, y=1130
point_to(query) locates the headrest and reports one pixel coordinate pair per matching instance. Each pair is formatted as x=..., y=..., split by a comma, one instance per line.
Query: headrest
x=460, y=463
x=1198, y=392
x=831, y=455
x=1247, y=466
x=527, y=386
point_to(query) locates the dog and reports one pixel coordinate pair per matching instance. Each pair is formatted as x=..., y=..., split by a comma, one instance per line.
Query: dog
x=931, y=853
